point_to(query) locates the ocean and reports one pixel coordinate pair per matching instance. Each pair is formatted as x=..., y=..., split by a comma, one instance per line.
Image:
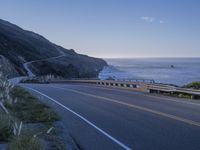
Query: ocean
x=178, y=71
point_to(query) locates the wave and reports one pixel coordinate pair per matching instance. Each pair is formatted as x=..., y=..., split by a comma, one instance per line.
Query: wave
x=169, y=70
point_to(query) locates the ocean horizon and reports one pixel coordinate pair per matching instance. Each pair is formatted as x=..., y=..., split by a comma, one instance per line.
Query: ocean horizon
x=174, y=70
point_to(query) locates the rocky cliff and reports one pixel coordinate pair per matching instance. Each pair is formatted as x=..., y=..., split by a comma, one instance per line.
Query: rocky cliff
x=7, y=69
x=19, y=46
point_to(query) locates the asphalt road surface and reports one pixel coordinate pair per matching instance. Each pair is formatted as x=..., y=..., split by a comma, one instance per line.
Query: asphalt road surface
x=101, y=118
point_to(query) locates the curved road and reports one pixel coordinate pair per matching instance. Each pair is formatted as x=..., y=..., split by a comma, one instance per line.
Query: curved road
x=107, y=118
x=26, y=65
x=17, y=80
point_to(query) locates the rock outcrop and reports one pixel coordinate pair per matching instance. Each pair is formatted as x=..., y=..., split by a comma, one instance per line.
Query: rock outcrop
x=7, y=69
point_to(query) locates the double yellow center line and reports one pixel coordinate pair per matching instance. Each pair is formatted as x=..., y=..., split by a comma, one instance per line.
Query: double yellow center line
x=135, y=107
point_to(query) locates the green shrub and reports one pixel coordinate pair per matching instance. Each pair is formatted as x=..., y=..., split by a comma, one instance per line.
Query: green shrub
x=25, y=141
x=194, y=85
x=35, y=115
x=6, y=126
x=29, y=109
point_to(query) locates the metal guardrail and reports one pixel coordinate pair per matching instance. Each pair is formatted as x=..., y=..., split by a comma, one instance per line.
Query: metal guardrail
x=137, y=80
x=136, y=85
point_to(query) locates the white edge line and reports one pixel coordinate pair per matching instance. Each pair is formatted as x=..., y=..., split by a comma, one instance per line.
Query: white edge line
x=84, y=119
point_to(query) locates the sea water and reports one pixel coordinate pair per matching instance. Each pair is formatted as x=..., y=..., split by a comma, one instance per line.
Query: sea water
x=178, y=71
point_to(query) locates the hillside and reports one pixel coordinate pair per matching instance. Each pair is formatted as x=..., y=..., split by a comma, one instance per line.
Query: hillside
x=19, y=46
x=7, y=69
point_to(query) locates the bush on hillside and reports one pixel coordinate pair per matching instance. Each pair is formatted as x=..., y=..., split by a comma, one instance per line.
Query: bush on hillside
x=194, y=85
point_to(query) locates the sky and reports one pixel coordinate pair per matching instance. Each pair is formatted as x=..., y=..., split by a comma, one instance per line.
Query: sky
x=112, y=28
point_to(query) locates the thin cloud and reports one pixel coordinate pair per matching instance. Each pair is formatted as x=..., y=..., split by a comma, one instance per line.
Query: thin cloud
x=147, y=19
x=162, y=22
x=152, y=19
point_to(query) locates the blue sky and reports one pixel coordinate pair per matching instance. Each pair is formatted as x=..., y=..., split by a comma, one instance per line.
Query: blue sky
x=113, y=28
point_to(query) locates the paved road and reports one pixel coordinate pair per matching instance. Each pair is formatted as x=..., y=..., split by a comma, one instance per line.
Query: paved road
x=17, y=80
x=29, y=71
x=106, y=118
x=26, y=65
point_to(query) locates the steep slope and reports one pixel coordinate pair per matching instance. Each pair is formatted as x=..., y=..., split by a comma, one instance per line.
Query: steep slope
x=7, y=69
x=20, y=46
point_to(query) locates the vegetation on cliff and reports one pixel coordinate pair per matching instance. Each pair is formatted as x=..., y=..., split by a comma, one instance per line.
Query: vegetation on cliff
x=20, y=46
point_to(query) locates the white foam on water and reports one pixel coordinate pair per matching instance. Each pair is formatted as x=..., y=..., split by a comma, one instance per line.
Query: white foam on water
x=178, y=71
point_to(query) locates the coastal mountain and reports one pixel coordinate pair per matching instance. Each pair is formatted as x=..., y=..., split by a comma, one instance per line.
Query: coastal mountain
x=21, y=49
x=6, y=68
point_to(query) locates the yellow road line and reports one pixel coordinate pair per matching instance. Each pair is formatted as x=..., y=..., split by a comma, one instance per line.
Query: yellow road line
x=147, y=95
x=137, y=107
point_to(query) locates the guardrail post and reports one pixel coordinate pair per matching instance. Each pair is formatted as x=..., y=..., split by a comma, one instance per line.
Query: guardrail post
x=140, y=86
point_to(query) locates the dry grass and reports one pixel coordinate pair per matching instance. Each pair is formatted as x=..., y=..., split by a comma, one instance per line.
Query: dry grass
x=29, y=109
x=25, y=141
x=6, y=126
